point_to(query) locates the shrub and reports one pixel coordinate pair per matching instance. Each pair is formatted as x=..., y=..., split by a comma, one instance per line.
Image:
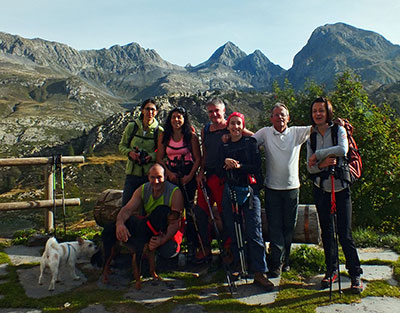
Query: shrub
x=307, y=261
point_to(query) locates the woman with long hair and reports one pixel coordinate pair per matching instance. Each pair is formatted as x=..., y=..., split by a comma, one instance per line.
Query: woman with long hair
x=139, y=144
x=327, y=166
x=179, y=152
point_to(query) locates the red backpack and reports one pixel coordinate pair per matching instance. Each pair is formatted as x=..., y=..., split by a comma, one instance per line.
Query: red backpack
x=353, y=156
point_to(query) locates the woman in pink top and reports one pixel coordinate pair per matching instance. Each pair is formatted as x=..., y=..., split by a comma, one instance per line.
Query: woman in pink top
x=179, y=152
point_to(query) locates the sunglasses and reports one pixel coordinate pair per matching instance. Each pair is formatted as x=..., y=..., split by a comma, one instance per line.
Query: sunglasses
x=181, y=110
x=320, y=99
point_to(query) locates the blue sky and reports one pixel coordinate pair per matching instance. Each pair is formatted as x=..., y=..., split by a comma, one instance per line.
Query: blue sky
x=189, y=31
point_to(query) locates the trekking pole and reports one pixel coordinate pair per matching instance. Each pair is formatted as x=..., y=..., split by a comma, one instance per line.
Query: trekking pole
x=231, y=283
x=54, y=194
x=238, y=231
x=196, y=226
x=180, y=164
x=335, y=232
x=63, y=193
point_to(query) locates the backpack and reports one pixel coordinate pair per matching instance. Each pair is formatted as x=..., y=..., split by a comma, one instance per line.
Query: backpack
x=134, y=131
x=353, y=156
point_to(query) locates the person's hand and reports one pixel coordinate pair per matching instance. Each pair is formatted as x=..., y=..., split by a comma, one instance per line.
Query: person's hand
x=201, y=178
x=186, y=179
x=312, y=160
x=148, y=158
x=134, y=156
x=231, y=164
x=155, y=242
x=329, y=161
x=225, y=138
x=122, y=232
x=172, y=177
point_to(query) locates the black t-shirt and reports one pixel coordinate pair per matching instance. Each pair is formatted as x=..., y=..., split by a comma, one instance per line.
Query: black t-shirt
x=212, y=141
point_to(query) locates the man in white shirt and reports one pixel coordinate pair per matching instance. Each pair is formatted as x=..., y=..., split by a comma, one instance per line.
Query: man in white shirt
x=282, y=146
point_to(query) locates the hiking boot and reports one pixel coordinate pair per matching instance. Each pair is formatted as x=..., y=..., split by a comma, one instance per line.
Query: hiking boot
x=261, y=280
x=274, y=273
x=201, y=258
x=227, y=256
x=285, y=268
x=326, y=281
x=356, y=284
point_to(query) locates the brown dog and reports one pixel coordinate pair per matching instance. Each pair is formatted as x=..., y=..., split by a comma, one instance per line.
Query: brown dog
x=141, y=230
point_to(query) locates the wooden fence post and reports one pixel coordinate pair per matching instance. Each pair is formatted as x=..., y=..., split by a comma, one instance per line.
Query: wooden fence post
x=48, y=186
x=49, y=181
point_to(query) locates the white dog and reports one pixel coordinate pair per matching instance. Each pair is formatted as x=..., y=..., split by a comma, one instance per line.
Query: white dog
x=56, y=254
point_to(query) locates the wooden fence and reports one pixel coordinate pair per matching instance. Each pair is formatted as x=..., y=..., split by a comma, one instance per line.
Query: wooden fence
x=49, y=184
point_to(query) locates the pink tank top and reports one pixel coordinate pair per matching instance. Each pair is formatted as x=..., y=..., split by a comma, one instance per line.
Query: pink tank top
x=175, y=149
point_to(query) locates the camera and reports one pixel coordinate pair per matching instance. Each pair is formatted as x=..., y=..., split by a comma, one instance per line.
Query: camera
x=142, y=156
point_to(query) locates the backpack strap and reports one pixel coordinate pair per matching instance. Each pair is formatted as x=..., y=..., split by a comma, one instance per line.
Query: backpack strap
x=207, y=128
x=313, y=141
x=313, y=145
x=334, y=134
x=134, y=131
x=156, y=130
x=133, y=134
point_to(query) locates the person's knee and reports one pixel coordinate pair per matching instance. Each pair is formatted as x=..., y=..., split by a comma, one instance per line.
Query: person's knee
x=168, y=250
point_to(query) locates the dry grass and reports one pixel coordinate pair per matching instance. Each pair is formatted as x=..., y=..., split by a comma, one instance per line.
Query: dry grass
x=108, y=159
x=14, y=192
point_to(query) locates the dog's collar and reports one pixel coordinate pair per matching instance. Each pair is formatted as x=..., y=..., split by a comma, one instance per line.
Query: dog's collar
x=156, y=233
x=69, y=250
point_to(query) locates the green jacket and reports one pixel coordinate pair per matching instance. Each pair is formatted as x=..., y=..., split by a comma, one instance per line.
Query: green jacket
x=143, y=142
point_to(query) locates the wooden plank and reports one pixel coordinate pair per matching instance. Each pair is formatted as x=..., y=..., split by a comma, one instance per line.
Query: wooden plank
x=37, y=204
x=40, y=160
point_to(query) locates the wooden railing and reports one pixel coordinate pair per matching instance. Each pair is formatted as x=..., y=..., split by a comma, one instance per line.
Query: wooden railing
x=49, y=181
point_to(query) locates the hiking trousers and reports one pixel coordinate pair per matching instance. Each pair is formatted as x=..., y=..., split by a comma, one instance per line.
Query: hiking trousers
x=251, y=228
x=281, y=210
x=344, y=214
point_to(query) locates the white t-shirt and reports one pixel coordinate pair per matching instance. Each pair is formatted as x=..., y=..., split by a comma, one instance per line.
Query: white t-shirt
x=282, y=152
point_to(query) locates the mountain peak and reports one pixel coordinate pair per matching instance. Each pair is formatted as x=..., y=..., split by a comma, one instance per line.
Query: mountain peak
x=333, y=48
x=228, y=54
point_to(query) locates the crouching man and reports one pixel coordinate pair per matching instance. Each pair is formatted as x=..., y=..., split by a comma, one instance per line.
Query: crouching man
x=140, y=216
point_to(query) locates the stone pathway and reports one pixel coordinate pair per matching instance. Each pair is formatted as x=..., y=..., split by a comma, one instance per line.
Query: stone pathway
x=155, y=292
x=367, y=305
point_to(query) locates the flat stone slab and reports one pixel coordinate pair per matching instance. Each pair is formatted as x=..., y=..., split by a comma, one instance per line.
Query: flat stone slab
x=29, y=280
x=20, y=310
x=119, y=278
x=154, y=292
x=24, y=255
x=375, y=272
x=251, y=294
x=189, y=308
x=3, y=269
x=377, y=253
x=210, y=294
x=367, y=305
x=96, y=308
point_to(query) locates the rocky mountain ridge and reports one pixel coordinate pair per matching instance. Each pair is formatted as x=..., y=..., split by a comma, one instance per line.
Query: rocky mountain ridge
x=51, y=93
x=332, y=49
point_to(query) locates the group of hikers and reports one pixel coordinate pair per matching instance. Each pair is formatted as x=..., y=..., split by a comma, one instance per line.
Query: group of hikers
x=167, y=166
